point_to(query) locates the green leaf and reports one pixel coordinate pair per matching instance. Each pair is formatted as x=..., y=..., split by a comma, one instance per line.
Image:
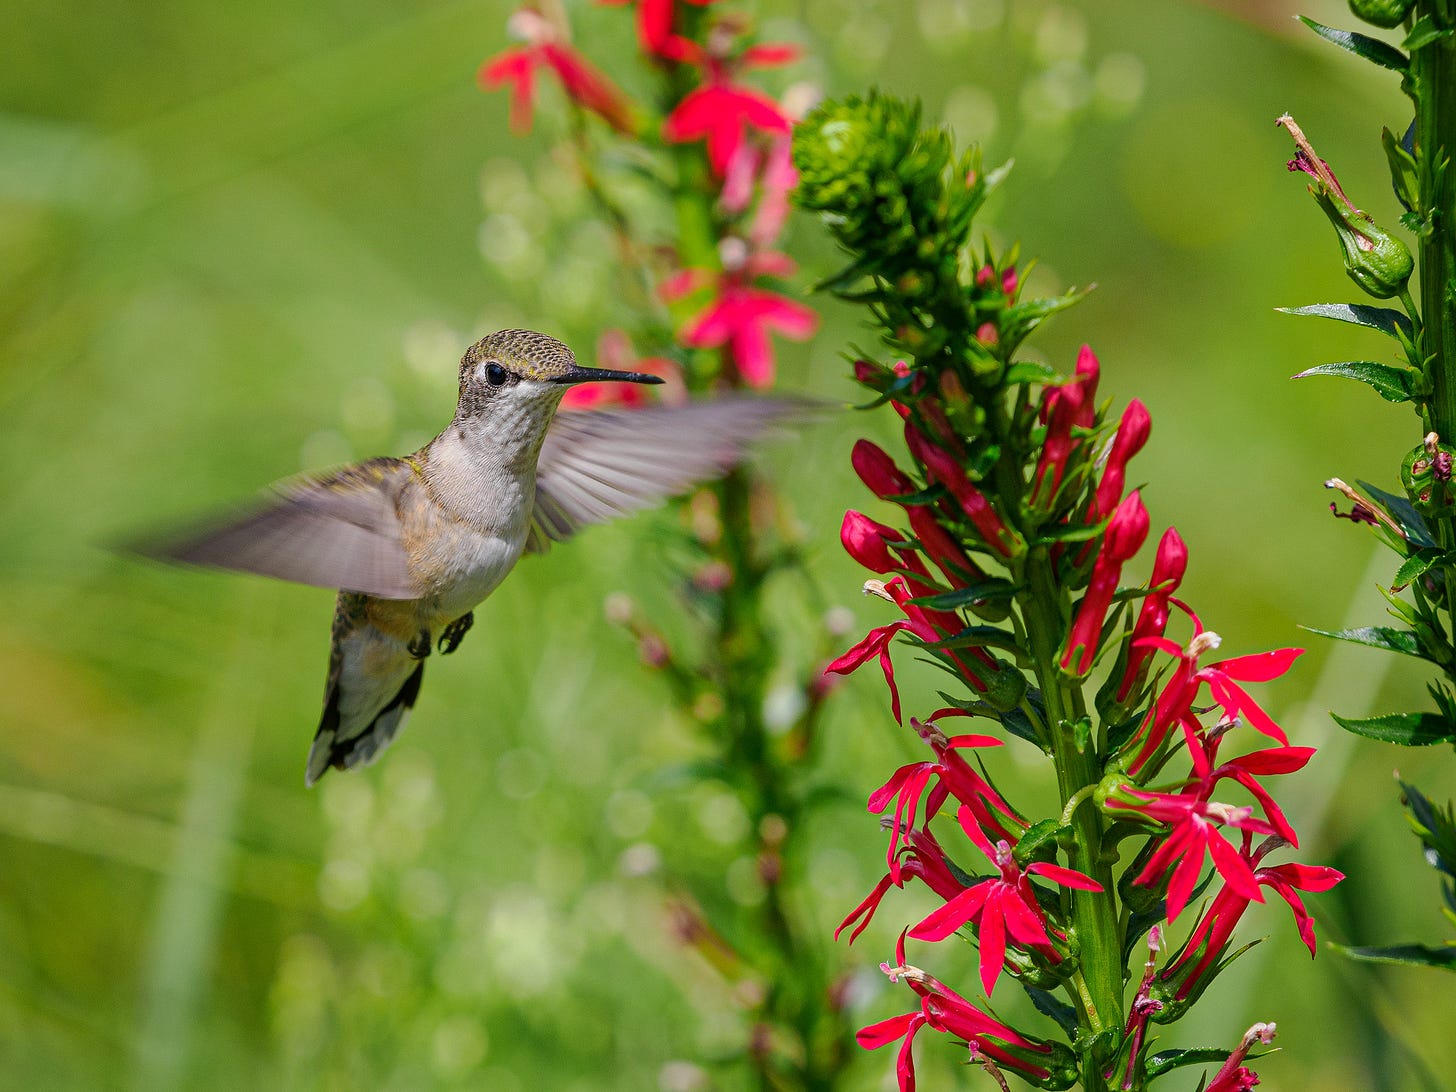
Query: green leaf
x=1414, y=567
x=994, y=588
x=1423, y=33
x=1018, y=321
x=1404, y=175
x=1363, y=46
x=1407, y=729
x=1386, y=637
x=981, y=637
x=1436, y=829
x=1411, y=955
x=1029, y=371
x=1049, y=1004
x=1392, y=384
x=1385, y=319
x=1166, y=1060
x=1403, y=512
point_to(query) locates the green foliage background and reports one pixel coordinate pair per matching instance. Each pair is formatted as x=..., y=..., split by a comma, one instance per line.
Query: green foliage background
x=240, y=241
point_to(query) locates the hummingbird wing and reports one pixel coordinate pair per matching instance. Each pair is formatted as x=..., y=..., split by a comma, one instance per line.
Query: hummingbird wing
x=341, y=530
x=597, y=465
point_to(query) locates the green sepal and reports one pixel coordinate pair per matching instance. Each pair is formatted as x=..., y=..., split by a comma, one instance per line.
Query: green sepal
x=1006, y=688
x=1384, y=637
x=1411, y=955
x=1385, y=319
x=1404, y=513
x=995, y=588
x=1392, y=384
x=1407, y=729
x=1038, y=843
x=1018, y=321
x=1423, y=33
x=1404, y=175
x=1398, y=606
x=1362, y=45
x=1029, y=371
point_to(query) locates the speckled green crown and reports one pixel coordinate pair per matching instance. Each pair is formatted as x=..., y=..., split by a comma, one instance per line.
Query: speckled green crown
x=523, y=351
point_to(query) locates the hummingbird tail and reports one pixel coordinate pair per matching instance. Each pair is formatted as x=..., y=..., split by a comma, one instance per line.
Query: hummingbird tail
x=330, y=748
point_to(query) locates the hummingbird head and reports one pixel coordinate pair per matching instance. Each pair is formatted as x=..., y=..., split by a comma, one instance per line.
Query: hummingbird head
x=520, y=374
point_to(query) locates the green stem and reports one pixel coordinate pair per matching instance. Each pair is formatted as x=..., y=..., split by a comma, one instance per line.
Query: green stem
x=1433, y=79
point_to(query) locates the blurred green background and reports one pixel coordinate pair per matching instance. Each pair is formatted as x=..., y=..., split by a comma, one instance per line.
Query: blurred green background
x=237, y=241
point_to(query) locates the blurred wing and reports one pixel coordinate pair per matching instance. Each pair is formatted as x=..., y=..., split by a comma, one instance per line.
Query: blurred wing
x=339, y=531
x=595, y=466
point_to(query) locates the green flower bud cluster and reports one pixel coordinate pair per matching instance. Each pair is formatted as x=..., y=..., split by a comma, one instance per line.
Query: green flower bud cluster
x=902, y=203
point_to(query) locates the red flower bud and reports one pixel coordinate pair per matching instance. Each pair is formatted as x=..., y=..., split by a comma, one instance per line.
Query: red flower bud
x=1125, y=536
x=878, y=471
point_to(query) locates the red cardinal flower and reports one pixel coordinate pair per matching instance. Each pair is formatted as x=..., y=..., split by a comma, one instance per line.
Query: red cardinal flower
x=655, y=33
x=720, y=113
x=743, y=314
x=942, y=1009
x=1126, y=532
x=546, y=47
x=1002, y=907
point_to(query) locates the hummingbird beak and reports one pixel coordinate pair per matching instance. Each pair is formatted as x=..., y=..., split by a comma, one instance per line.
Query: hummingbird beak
x=602, y=375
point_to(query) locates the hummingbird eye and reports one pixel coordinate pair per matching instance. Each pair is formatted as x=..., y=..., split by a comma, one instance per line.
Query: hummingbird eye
x=495, y=375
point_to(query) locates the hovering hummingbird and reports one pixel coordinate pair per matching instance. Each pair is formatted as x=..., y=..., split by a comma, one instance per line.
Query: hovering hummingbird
x=415, y=543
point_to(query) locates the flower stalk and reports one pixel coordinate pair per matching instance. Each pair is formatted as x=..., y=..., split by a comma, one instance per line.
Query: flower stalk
x=1014, y=486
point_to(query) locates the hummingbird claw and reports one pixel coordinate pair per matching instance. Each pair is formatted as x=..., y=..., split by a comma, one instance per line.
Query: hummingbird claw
x=419, y=647
x=455, y=632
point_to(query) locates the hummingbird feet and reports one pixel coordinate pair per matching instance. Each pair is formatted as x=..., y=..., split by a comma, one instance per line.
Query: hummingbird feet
x=419, y=646
x=455, y=632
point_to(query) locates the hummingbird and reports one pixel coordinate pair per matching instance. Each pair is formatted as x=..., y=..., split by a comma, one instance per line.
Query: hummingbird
x=413, y=544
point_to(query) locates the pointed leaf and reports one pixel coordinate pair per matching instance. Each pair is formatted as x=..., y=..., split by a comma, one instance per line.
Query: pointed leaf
x=1029, y=371
x=1392, y=384
x=1403, y=512
x=1412, y=955
x=1363, y=46
x=1385, y=319
x=980, y=637
x=1166, y=1060
x=1423, y=33
x=1386, y=637
x=994, y=588
x=1050, y=1005
x=1413, y=568
x=1404, y=175
x=1407, y=729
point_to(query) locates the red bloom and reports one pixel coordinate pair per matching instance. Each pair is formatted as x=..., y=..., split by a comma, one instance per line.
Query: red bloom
x=1000, y=907
x=1168, y=569
x=655, y=33
x=941, y=466
x=942, y=1009
x=1125, y=534
x=583, y=82
x=742, y=315
x=1071, y=404
x=1195, y=822
x=720, y=113
x=1132, y=434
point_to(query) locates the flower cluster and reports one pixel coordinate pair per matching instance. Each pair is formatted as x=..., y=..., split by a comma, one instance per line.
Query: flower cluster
x=1011, y=575
x=719, y=136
